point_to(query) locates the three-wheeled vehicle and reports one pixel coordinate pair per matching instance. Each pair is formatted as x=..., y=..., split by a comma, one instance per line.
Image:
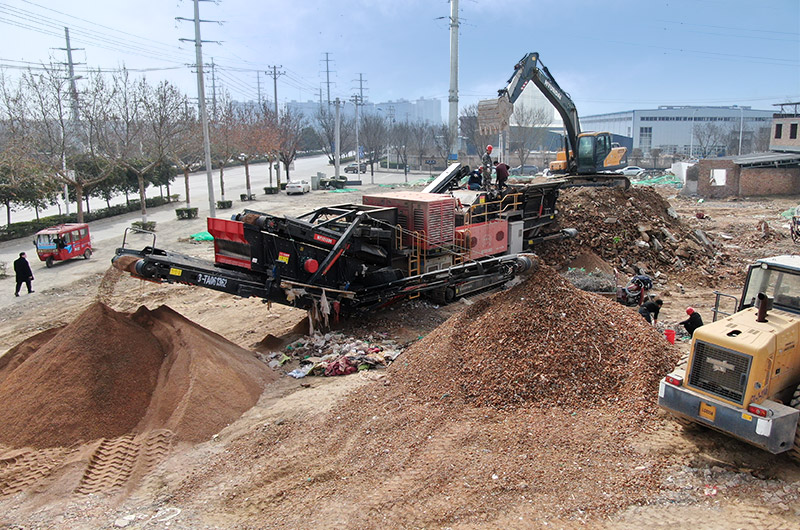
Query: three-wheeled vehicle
x=63, y=242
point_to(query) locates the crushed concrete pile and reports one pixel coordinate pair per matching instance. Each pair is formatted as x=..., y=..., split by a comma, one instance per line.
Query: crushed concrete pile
x=107, y=374
x=634, y=230
x=542, y=343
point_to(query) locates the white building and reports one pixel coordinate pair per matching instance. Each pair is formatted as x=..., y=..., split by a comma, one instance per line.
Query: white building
x=678, y=130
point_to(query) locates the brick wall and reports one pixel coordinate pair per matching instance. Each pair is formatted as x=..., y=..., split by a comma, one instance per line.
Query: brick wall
x=769, y=181
x=747, y=182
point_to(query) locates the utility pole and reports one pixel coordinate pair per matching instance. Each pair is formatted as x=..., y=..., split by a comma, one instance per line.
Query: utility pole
x=74, y=107
x=201, y=101
x=355, y=100
x=258, y=85
x=336, y=156
x=361, y=87
x=453, y=96
x=213, y=90
x=328, y=76
x=275, y=73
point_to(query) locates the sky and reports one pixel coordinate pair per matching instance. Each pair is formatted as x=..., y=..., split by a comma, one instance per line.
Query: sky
x=611, y=55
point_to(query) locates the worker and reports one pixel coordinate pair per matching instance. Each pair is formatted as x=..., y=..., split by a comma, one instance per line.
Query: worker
x=475, y=179
x=693, y=322
x=486, y=160
x=649, y=310
x=501, y=170
x=23, y=272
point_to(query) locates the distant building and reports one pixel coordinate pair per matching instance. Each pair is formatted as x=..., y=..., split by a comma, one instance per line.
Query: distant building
x=687, y=130
x=423, y=109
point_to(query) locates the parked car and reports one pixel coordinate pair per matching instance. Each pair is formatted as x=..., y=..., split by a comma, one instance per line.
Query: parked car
x=524, y=170
x=298, y=186
x=632, y=171
x=351, y=168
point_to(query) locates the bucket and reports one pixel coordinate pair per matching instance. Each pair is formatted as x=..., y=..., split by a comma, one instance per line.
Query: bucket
x=670, y=334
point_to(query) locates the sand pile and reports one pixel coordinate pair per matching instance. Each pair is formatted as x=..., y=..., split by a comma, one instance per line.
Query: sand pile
x=107, y=374
x=541, y=343
x=625, y=228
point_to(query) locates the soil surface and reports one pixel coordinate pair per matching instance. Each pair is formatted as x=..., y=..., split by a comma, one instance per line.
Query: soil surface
x=148, y=406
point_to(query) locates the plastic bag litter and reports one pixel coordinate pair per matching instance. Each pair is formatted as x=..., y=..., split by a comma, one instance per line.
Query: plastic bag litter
x=202, y=236
x=299, y=373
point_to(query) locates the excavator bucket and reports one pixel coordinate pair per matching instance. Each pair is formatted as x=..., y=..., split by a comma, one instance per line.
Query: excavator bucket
x=494, y=114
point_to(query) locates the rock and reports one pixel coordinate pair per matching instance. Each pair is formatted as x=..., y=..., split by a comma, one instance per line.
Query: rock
x=703, y=238
x=672, y=213
x=610, y=220
x=657, y=246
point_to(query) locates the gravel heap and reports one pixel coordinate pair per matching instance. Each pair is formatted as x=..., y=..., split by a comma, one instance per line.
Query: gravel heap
x=542, y=343
x=107, y=374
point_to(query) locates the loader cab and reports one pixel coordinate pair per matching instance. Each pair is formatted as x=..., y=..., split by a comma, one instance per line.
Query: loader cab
x=778, y=278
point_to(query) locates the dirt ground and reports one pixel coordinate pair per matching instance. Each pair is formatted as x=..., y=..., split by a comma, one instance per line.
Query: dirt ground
x=359, y=451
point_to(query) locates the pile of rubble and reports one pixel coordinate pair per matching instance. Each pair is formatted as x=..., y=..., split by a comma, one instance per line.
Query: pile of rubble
x=333, y=354
x=634, y=230
x=542, y=343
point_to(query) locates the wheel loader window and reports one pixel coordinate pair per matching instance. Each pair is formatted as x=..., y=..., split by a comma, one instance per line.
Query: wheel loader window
x=783, y=287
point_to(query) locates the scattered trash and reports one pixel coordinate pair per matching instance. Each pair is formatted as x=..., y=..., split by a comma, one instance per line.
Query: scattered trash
x=202, y=236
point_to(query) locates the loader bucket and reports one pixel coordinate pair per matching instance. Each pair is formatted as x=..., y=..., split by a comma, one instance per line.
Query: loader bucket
x=494, y=114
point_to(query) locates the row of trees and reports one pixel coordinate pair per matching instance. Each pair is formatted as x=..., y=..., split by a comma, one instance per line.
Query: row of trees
x=120, y=134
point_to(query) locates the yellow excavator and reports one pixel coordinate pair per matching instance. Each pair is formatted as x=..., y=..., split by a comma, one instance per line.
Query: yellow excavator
x=584, y=154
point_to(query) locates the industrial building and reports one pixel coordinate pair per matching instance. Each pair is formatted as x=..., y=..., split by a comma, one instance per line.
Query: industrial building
x=694, y=132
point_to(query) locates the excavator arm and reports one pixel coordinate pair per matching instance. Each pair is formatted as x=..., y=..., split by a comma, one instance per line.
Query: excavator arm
x=493, y=114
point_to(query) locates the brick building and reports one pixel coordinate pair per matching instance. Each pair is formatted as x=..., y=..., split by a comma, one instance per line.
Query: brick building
x=749, y=176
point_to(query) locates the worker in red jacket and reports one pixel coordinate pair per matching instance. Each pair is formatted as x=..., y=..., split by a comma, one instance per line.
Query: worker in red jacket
x=501, y=169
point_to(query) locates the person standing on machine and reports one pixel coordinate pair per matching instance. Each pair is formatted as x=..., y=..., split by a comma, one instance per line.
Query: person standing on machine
x=501, y=170
x=486, y=160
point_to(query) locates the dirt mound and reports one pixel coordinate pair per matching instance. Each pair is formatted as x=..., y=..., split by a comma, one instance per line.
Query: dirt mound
x=542, y=343
x=626, y=228
x=107, y=374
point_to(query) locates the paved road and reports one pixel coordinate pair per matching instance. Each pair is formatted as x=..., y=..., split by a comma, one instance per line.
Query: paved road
x=107, y=233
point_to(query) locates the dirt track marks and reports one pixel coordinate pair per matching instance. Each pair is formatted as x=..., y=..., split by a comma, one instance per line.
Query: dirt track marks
x=118, y=460
x=25, y=469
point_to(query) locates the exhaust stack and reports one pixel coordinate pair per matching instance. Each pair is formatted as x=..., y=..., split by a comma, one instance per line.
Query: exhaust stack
x=764, y=304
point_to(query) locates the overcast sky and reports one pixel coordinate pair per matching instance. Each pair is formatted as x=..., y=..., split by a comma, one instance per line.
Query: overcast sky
x=610, y=55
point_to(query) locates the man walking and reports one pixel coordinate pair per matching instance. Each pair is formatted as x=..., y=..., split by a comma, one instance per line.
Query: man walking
x=24, y=274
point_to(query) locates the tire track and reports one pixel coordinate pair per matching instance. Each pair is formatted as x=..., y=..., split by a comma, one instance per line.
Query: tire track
x=26, y=469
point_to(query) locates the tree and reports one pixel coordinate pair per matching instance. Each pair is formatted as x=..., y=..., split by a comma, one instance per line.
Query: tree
x=289, y=136
x=421, y=140
x=52, y=129
x=636, y=156
x=442, y=140
x=400, y=136
x=655, y=153
x=223, y=146
x=530, y=131
x=710, y=138
x=470, y=130
x=374, y=135
x=188, y=150
x=255, y=134
x=326, y=131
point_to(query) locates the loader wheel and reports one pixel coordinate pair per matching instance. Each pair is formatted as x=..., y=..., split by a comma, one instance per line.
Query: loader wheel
x=686, y=425
x=449, y=295
x=87, y=254
x=794, y=452
x=49, y=262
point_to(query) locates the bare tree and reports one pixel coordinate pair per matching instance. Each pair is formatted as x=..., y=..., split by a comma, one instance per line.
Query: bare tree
x=255, y=134
x=325, y=128
x=471, y=131
x=187, y=152
x=442, y=140
x=400, y=136
x=655, y=154
x=421, y=140
x=530, y=131
x=374, y=135
x=290, y=132
x=710, y=138
x=53, y=130
x=224, y=138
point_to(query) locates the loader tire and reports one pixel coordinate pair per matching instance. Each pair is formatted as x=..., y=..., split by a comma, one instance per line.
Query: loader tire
x=686, y=425
x=794, y=452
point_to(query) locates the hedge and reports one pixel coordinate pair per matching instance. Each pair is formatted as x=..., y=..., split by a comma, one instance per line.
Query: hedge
x=27, y=228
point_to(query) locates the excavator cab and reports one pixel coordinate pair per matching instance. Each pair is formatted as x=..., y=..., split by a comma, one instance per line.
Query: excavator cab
x=596, y=152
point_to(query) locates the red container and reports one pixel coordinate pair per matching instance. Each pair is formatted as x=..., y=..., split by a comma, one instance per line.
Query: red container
x=431, y=214
x=670, y=334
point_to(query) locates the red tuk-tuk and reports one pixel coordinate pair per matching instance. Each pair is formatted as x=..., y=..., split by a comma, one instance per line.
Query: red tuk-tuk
x=63, y=242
